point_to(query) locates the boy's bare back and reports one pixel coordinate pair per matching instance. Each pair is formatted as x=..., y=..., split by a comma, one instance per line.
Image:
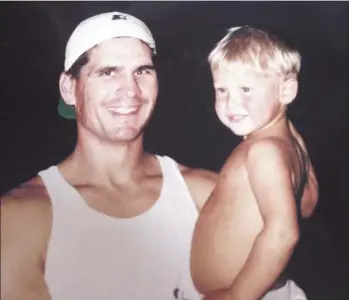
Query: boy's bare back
x=257, y=183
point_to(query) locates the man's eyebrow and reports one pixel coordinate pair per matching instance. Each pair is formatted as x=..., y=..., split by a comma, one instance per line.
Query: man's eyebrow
x=103, y=69
x=146, y=67
x=112, y=68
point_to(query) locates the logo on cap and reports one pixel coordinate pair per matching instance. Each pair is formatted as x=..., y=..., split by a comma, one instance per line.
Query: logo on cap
x=118, y=17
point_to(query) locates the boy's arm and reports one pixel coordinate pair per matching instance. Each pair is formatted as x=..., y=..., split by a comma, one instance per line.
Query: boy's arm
x=270, y=179
x=23, y=226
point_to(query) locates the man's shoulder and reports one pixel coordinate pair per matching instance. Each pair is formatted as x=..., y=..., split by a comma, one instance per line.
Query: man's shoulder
x=26, y=221
x=27, y=196
x=198, y=175
x=26, y=209
x=200, y=182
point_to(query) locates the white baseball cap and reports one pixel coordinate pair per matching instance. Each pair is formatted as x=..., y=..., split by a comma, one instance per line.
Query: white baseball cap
x=102, y=27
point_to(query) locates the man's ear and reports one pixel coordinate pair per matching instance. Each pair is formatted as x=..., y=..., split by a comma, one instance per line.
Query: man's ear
x=288, y=90
x=67, y=88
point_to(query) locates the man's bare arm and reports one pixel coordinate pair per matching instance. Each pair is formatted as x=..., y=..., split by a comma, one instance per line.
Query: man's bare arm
x=24, y=230
x=270, y=179
x=200, y=184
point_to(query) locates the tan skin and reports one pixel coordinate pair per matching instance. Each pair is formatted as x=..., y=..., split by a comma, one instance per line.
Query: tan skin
x=133, y=175
x=244, y=220
x=247, y=230
x=119, y=178
x=26, y=220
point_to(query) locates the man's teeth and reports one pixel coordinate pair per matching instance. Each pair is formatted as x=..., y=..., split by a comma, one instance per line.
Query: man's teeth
x=122, y=110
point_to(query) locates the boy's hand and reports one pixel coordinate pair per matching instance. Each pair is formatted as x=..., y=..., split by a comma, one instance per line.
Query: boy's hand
x=217, y=295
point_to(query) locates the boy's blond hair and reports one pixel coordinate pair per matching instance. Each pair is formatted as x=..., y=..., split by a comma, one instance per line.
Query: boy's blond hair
x=256, y=47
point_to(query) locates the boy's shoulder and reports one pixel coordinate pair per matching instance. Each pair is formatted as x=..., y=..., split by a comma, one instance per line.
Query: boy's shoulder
x=267, y=146
x=261, y=146
x=249, y=151
x=268, y=151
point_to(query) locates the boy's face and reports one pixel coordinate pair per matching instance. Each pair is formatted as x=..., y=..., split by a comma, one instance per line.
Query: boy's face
x=246, y=100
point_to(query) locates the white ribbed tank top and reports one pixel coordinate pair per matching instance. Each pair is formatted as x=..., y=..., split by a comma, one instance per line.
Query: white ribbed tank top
x=92, y=256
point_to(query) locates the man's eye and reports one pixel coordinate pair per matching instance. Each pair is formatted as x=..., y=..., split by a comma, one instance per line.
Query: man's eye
x=143, y=72
x=107, y=72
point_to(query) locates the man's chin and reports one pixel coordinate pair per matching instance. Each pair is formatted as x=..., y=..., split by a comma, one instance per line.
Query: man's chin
x=126, y=134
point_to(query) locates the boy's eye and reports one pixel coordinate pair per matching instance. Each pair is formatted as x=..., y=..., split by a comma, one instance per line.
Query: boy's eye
x=246, y=89
x=221, y=90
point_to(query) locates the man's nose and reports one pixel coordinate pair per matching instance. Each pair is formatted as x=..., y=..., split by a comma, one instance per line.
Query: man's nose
x=130, y=86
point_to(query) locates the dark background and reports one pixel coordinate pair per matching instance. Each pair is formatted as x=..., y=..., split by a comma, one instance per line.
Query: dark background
x=184, y=126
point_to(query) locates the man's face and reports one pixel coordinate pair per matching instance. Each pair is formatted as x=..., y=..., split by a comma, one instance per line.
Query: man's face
x=246, y=100
x=117, y=89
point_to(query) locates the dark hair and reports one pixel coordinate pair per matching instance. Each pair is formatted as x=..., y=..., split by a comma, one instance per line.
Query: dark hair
x=75, y=69
x=83, y=59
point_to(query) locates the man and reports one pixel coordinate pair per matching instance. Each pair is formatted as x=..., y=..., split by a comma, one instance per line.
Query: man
x=110, y=221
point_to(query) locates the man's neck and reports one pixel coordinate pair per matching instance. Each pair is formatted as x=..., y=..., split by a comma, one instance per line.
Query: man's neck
x=107, y=163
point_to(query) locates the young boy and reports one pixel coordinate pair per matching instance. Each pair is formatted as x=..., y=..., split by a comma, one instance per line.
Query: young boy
x=249, y=227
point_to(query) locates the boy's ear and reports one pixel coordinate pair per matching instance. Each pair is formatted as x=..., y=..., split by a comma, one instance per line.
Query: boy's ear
x=288, y=90
x=67, y=89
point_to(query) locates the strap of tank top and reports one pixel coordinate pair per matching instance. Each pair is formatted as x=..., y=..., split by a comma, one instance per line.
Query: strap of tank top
x=55, y=183
x=172, y=165
x=303, y=182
